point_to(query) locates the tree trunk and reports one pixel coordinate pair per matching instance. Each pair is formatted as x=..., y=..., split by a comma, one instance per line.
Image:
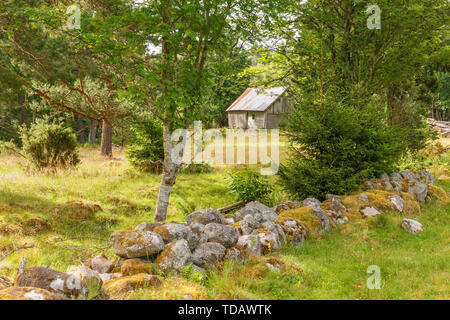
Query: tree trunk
x=170, y=173
x=107, y=132
x=93, y=131
x=80, y=125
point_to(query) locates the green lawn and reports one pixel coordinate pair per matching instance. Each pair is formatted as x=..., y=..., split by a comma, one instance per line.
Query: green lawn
x=332, y=267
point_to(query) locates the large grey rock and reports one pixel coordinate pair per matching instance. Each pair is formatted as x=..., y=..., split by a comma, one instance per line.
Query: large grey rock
x=101, y=264
x=175, y=256
x=369, y=212
x=337, y=208
x=295, y=232
x=396, y=177
x=270, y=242
x=412, y=226
x=418, y=190
x=385, y=177
x=397, y=202
x=258, y=210
x=250, y=244
x=226, y=235
x=90, y=277
x=209, y=253
x=274, y=227
x=314, y=204
x=52, y=280
x=136, y=244
x=427, y=176
x=249, y=223
x=176, y=231
x=406, y=174
x=205, y=216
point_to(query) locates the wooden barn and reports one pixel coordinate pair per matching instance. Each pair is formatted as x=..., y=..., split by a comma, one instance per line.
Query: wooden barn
x=259, y=108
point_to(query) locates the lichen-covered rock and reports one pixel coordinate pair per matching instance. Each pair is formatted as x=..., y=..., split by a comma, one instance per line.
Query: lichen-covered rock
x=258, y=210
x=406, y=174
x=52, y=280
x=250, y=244
x=274, y=227
x=88, y=276
x=230, y=219
x=29, y=293
x=205, y=216
x=235, y=253
x=122, y=286
x=248, y=224
x=369, y=212
x=175, y=256
x=337, y=208
x=134, y=266
x=286, y=205
x=397, y=202
x=412, y=226
x=209, y=253
x=295, y=232
x=110, y=276
x=136, y=244
x=101, y=264
x=418, y=190
x=270, y=242
x=314, y=204
x=226, y=235
x=176, y=231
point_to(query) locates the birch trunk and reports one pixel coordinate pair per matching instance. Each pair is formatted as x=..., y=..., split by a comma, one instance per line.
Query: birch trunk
x=170, y=173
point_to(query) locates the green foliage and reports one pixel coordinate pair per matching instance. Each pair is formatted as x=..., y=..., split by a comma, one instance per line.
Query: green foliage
x=336, y=147
x=146, y=151
x=194, y=168
x=190, y=273
x=434, y=155
x=249, y=185
x=49, y=145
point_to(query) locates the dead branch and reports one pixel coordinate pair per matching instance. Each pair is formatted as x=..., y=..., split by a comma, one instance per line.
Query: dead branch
x=232, y=206
x=17, y=249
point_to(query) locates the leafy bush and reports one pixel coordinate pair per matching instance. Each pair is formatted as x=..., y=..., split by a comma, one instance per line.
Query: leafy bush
x=335, y=147
x=146, y=152
x=196, y=168
x=49, y=145
x=433, y=155
x=249, y=185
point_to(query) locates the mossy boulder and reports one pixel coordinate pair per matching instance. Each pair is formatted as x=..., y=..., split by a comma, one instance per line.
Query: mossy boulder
x=226, y=235
x=210, y=253
x=29, y=293
x=52, y=280
x=175, y=256
x=120, y=287
x=131, y=267
x=176, y=231
x=438, y=193
x=136, y=244
x=205, y=216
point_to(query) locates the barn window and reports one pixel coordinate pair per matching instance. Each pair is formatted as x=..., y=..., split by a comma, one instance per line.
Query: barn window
x=253, y=116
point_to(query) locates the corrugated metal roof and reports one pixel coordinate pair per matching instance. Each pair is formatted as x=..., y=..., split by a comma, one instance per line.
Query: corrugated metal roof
x=254, y=99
